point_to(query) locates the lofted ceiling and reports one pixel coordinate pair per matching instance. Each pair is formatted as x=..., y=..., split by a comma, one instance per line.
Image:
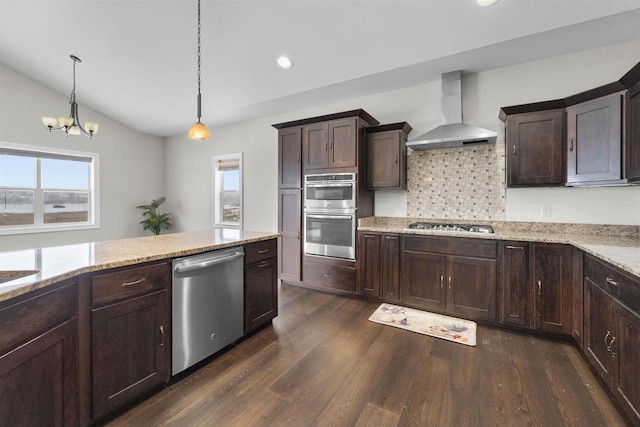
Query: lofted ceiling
x=139, y=56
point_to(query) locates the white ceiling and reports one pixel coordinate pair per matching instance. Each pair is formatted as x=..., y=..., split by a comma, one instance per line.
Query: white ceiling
x=139, y=56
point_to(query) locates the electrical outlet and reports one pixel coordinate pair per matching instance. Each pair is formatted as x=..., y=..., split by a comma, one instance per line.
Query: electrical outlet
x=545, y=212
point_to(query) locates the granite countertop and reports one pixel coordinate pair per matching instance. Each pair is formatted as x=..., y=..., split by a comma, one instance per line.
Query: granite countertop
x=618, y=245
x=45, y=266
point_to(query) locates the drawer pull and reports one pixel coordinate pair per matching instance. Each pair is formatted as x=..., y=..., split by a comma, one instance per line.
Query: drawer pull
x=391, y=237
x=515, y=247
x=135, y=282
x=326, y=274
x=605, y=340
x=264, y=251
x=611, y=281
x=514, y=150
x=263, y=264
x=161, y=335
x=539, y=287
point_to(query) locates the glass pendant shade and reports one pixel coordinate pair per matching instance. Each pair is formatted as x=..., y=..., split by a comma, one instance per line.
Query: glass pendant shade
x=199, y=131
x=50, y=122
x=65, y=121
x=74, y=130
x=91, y=127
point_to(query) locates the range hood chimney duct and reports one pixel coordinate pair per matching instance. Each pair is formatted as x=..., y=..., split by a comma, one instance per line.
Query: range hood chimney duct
x=452, y=132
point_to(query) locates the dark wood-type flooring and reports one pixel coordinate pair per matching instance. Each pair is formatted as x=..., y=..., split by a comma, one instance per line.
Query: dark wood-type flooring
x=322, y=363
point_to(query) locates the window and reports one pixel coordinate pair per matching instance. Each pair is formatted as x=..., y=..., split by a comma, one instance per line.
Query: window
x=44, y=189
x=227, y=185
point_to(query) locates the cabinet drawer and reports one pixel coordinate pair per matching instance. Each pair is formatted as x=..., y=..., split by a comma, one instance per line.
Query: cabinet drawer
x=259, y=251
x=330, y=276
x=617, y=283
x=129, y=282
x=451, y=246
x=30, y=317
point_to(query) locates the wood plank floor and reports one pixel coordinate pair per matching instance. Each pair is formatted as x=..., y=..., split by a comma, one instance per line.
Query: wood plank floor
x=322, y=363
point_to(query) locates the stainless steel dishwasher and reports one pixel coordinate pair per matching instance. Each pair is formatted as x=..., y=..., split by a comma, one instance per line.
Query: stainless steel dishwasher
x=208, y=305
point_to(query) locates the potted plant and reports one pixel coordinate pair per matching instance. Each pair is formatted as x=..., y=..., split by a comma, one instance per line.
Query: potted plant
x=155, y=221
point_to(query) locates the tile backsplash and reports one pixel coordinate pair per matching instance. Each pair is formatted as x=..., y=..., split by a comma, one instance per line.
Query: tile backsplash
x=457, y=183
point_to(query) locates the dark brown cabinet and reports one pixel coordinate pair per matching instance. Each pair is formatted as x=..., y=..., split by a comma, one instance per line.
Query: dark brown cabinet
x=632, y=145
x=577, y=296
x=535, y=148
x=290, y=228
x=130, y=336
x=332, y=144
x=379, y=266
x=536, y=286
x=454, y=275
x=552, y=275
x=387, y=156
x=594, y=140
x=290, y=158
x=260, y=284
x=39, y=359
x=612, y=331
x=515, y=298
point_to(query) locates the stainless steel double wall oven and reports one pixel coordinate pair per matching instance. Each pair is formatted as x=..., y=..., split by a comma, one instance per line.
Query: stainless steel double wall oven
x=330, y=215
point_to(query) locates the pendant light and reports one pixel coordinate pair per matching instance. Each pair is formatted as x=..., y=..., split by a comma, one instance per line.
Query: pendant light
x=71, y=125
x=199, y=130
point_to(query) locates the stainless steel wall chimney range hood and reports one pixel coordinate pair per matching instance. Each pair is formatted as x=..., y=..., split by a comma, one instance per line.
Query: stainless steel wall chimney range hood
x=452, y=132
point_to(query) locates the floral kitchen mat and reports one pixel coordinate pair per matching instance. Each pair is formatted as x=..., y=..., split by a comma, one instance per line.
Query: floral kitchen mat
x=445, y=327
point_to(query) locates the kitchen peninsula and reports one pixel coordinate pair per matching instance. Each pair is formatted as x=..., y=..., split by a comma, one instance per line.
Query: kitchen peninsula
x=88, y=328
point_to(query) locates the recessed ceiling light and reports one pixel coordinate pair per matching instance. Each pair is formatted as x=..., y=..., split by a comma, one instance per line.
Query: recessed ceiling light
x=486, y=2
x=285, y=62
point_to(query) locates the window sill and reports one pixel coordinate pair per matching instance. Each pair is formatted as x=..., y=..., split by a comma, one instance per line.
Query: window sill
x=46, y=229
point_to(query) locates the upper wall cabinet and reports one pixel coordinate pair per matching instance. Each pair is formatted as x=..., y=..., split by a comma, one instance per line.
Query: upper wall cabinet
x=594, y=140
x=387, y=156
x=289, y=158
x=601, y=143
x=535, y=148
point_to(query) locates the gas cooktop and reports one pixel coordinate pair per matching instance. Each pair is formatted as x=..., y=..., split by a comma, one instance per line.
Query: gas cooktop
x=468, y=228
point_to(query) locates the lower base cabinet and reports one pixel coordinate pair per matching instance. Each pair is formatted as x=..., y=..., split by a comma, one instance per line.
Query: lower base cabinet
x=39, y=360
x=453, y=275
x=260, y=284
x=378, y=267
x=612, y=331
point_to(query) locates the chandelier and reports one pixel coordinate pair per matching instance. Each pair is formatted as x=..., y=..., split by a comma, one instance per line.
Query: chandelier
x=199, y=130
x=71, y=124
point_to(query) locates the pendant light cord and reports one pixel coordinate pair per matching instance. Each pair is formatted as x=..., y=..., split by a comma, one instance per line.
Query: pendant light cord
x=199, y=96
x=72, y=98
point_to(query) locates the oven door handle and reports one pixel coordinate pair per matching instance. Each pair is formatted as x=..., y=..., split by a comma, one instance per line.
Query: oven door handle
x=329, y=216
x=330, y=184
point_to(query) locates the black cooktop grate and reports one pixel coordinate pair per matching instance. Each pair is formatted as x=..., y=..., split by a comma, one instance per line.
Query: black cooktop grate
x=470, y=228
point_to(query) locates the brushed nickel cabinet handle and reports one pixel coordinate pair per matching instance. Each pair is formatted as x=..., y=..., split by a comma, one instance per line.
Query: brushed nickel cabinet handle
x=132, y=283
x=613, y=353
x=298, y=235
x=161, y=335
x=515, y=247
x=514, y=150
x=449, y=282
x=539, y=287
x=264, y=264
x=298, y=156
x=611, y=281
x=605, y=340
x=264, y=251
x=396, y=159
x=571, y=144
x=442, y=281
x=325, y=144
x=326, y=275
x=331, y=144
x=391, y=237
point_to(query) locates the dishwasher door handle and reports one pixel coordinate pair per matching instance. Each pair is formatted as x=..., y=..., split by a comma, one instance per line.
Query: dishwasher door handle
x=209, y=263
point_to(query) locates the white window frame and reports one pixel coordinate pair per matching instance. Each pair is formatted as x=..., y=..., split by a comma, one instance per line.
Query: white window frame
x=94, y=190
x=217, y=195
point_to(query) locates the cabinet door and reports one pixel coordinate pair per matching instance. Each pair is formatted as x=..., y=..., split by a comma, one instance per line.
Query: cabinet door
x=552, y=277
x=598, y=330
x=577, y=296
x=370, y=267
x=515, y=295
x=632, y=143
x=627, y=370
x=315, y=146
x=289, y=158
x=423, y=277
x=385, y=163
x=535, y=148
x=129, y=350
x=289, y=226
x=390, y=262
x=594, y=140
x=260, y=293
x=343, y=143
x=39, y=380
x=471, y=287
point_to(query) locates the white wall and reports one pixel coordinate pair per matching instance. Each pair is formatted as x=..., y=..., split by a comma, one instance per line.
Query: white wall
x=189, y=163
x=131, y=163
